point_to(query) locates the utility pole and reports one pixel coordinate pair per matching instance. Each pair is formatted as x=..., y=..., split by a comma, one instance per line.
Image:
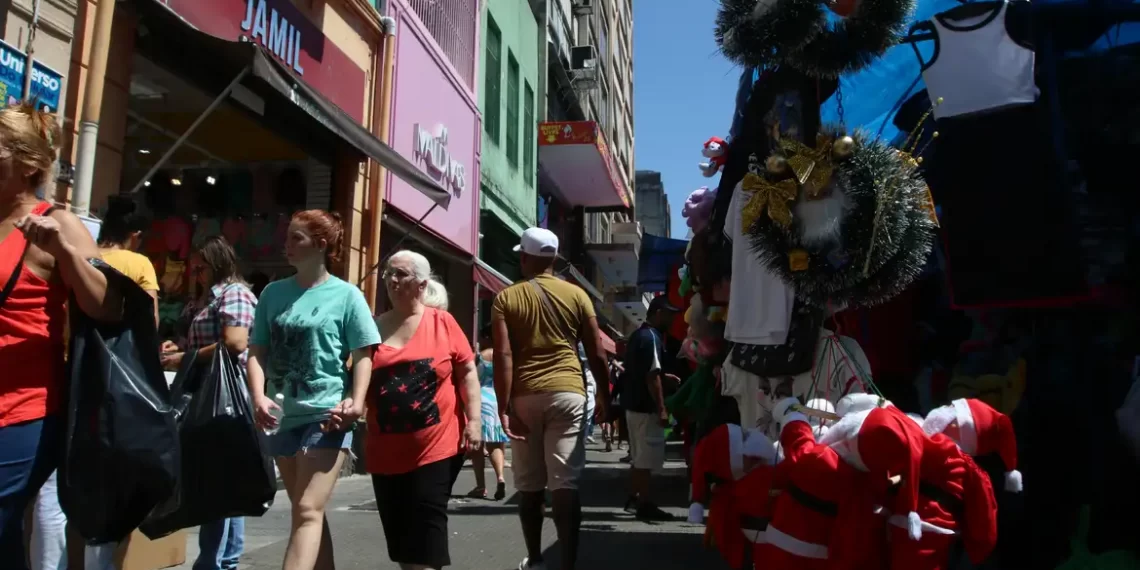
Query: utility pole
x=92, y=106
x=30, y=50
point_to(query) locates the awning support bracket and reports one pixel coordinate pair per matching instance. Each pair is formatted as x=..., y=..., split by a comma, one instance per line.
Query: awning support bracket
x=193, y=126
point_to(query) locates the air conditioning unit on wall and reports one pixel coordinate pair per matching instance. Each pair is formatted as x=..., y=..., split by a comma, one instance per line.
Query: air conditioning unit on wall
x=582, y=7
x=583, y=57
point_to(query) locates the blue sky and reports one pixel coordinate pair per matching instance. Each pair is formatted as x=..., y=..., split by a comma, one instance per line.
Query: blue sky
x=684, y=93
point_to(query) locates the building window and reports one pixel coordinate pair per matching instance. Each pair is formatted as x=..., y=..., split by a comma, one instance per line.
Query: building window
x=512, y=109
x=529, y=128
x=452, y=24
x=492, y=81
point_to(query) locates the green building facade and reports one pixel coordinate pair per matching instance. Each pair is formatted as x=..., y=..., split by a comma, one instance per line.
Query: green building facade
x=509, y=99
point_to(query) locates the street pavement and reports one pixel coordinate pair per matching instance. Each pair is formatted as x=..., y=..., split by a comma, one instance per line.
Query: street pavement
x=485, y=534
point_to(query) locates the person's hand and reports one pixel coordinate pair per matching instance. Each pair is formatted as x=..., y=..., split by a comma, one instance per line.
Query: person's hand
x=168, y=346
x=263, y=412
x=472, y=437
x=44, y=232
x=343, y=415
x=663, y=418
x=673, y=380
x=516, y=430
x=171, y=360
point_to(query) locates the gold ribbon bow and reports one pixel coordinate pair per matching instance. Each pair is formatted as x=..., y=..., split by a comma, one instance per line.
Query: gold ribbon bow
x=772, y=197
x=812, y=166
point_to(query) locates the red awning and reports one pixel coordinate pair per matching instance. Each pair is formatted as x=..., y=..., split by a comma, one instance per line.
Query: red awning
x=607, y=343
x=574, y=155
x=490, y=281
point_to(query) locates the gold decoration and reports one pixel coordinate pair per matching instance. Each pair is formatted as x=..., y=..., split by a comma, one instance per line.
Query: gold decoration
x=798, y=260
x=776, y=164
x=930, y=209
x=812, y=166
x=772, y=197
x=843, y=147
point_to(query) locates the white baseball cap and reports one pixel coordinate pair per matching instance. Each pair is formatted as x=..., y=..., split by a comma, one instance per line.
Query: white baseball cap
x=539, y=242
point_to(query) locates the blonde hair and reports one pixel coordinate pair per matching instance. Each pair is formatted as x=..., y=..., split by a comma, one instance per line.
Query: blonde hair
x=29, y=137
x=435, y=294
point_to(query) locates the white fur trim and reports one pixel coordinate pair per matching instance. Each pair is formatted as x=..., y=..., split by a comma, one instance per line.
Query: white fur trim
x=781, y=408
x=755, y=536
x=902, y=522
x=696, y=513
x=914, y=525
x=860, y=402
x=939, y=419
x=735, y=450
x=967, y=430
x=1013, y=481
x=795, y=546
x=793, y=417
x=917, y=418
x=756, y=444
x=843, y=437
x=820, y=431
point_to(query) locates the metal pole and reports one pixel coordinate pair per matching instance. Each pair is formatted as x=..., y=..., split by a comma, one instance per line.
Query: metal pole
x=396, y=247
x=30, y=49
x=92, y=107
x=172, y=135
x=376, y=200
x=193, y=126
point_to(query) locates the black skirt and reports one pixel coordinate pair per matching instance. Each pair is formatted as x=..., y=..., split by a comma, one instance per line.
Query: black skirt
x=413, y=511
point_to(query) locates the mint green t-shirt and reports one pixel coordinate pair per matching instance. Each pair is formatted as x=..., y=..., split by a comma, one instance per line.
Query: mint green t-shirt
x=308, y=334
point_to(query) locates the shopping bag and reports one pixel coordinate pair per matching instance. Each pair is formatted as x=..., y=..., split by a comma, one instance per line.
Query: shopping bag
x=225, y=469
x=121, y=454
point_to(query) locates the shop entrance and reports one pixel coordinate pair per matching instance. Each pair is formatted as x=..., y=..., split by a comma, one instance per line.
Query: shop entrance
x=228, y=176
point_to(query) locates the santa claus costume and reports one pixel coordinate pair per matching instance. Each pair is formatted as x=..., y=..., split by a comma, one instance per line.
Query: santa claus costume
x=979, y=430
x=732, y=474
x=824, y=504
x=942, y=495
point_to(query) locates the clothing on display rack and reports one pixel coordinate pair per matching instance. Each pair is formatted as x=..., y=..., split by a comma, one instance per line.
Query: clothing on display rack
x=983, y=58
x=760, y=304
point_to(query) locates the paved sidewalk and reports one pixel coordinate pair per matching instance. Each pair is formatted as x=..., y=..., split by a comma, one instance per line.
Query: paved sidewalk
x=485, y=534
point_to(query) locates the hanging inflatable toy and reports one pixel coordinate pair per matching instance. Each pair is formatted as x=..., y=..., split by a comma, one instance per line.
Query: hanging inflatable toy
x=716, y=151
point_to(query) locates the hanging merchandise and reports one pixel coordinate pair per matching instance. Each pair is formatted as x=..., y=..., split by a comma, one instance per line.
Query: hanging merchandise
x=941, y=496
x=858, y=229
x=698, y=208
x=979, y=430
x=983, y=59
x=797, y=33
x=792, y=357
x=716, y=151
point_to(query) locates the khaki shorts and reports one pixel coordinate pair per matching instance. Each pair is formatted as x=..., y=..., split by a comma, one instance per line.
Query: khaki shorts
x=555, y=450
x=646, y=441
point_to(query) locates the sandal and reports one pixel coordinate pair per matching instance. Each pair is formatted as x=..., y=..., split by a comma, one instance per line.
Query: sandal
x=478, y=493
x=500, y=491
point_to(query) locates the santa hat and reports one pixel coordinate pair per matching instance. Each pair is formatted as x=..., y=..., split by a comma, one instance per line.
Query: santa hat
x=720, y=454
x=981, y=430
x=884, y=442
x=859, y=402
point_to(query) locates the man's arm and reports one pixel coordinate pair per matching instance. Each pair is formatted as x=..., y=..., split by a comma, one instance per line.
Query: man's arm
x=596, y=359
x=503, y=362
x=653, y=379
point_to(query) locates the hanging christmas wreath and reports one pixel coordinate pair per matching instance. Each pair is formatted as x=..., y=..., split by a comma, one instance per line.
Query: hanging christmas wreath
x=855, y=231
x=797, y=33
x=753, y=33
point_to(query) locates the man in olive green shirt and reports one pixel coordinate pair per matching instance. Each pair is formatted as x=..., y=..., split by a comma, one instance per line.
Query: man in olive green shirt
x=536, y=325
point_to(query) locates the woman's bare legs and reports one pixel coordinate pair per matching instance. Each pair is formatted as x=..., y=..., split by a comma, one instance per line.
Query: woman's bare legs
x=478, y=465
x=498, y=458
x=309, y=479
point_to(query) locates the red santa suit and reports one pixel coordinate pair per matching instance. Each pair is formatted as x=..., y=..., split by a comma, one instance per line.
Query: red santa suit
x=942, y=495
x=824, y=504
x=979, y=430
x=718, y=464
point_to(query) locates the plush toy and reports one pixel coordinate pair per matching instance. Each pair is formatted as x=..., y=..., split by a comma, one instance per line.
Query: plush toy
x=698, y=208
x=716, y=150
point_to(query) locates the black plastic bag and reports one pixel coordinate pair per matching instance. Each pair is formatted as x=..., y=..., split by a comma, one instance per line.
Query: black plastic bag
x=225, y=470
x=121, y=453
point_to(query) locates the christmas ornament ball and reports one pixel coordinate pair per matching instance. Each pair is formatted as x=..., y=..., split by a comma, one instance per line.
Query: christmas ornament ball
x=775, y=164
x=843, y=147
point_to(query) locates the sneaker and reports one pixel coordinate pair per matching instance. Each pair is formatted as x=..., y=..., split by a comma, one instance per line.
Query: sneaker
x=651, y=512
x=609, y=447
x=527, y=565
x=590, y=439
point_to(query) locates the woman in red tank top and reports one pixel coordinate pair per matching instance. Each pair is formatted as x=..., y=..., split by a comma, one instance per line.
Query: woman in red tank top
x=43, y=258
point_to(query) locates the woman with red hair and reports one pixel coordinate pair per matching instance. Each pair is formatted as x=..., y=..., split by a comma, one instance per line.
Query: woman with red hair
x=305, y=329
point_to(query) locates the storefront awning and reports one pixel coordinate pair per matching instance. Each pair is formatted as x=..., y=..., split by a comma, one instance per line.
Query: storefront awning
x=488, y=279
x=213, y=63
x=574, y=156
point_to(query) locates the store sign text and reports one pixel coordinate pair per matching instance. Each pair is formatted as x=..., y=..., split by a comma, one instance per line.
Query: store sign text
x=432, y=149
x=273, y=31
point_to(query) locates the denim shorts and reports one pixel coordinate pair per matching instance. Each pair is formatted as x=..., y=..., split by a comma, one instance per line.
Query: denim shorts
x=287, y=443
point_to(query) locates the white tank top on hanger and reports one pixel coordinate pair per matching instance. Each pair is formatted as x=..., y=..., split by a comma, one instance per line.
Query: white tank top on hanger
x=977, y=66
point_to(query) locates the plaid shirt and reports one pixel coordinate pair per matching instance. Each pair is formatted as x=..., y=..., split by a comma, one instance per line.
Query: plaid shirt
x=228, y=305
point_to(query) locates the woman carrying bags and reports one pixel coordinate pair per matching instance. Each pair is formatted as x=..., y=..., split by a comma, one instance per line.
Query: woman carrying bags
x=305, y=328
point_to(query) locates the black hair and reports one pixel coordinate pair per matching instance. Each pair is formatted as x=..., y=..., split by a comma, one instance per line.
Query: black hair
x=121, y=220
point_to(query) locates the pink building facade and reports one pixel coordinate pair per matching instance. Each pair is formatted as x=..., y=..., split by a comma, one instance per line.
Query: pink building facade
x=435, y=119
